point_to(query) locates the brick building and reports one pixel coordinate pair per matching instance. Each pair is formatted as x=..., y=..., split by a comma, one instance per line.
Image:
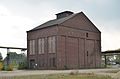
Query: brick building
x=70, y=41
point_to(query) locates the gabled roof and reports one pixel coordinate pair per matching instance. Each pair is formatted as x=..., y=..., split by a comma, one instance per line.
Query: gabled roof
x=60, y=21
x=53, y=22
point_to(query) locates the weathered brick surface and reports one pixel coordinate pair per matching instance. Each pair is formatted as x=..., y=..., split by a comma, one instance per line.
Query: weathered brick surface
x=74, y=48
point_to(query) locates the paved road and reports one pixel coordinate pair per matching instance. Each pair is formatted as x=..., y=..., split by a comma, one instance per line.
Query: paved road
x=39, y=72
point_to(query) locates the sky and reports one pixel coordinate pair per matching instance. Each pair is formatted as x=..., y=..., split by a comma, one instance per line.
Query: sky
x=19, y=16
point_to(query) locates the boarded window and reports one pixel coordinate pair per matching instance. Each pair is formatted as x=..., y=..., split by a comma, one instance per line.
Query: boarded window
x=51, y=44
x=32, y=47
x=41, y=46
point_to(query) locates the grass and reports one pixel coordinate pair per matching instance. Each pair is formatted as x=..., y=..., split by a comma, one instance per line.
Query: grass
x=61, y=76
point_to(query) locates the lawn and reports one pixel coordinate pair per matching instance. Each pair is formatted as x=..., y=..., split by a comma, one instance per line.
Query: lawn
x=61, y=76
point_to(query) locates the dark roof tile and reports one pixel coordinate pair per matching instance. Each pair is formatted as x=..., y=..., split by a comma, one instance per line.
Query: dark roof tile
x=53, y=22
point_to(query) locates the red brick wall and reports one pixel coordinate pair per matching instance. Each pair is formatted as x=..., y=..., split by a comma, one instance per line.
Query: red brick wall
x=81, y=53
x=72, y=52
x=73, y=46
x=41, y=59
x=80, y=22
x=61, y=49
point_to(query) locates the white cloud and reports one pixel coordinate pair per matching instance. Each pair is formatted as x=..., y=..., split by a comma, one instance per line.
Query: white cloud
x=110, y=34
x=13, y=29
x=99, y=2
x=4, y=11
x=110, y=41
x=15, y=23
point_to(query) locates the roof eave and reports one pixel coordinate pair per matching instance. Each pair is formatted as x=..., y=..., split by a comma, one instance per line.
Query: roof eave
x=91, y=22
x=42, y=28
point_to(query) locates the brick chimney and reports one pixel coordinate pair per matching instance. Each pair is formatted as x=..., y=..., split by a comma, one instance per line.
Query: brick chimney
x=64, y=14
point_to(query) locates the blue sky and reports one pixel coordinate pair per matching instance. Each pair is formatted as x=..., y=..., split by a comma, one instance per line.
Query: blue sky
x=18, y=16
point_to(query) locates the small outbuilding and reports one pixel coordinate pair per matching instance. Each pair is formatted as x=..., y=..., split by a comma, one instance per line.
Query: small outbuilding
x=71, y=41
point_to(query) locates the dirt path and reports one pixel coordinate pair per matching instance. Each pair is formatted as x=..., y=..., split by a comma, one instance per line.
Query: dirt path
x=39, y=72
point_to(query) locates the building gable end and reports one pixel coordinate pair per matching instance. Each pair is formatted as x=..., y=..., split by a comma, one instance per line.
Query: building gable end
x=81, y=21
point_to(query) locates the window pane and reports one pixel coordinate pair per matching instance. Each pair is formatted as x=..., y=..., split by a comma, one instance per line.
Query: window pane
x=39, y=46
x=33, y=52
x=43, y=45
x=32, y=47
x=51, y=44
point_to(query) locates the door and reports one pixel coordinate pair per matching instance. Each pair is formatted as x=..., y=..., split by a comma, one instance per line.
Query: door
x=32, y=64
x=90, y=52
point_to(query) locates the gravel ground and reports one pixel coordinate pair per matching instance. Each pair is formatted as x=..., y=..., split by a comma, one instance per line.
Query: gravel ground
x=39, y=72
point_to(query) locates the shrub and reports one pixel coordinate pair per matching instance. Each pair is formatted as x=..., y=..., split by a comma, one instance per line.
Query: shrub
x=9, y=68
x=65, y=67
x=22, y=65
x=1, y=66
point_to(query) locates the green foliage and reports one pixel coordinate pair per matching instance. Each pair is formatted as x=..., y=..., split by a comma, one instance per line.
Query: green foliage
x=9, y=68
x=22, y=65
x=1, y=65
x=1, y=57
x=65, y=67
x=117, y=60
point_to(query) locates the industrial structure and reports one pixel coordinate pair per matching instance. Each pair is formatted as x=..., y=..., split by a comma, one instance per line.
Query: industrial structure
x=13, y=57
x=71, y=41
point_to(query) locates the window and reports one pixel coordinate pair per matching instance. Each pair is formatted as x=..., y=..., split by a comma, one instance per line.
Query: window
x=51, y=44
x=87, y=53
x=32, y=47
x=86, y=34
x=41, y=46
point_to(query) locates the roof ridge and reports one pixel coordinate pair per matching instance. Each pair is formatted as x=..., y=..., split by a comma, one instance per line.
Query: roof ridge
x=72, y=16
x=54, y=22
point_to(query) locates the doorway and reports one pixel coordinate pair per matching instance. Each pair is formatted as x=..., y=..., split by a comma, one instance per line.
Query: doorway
x=32, y=64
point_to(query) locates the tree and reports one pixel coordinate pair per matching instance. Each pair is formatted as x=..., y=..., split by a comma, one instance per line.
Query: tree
x=1, y=63
x=110, y=59
x=117, y=59
x=1, y=57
